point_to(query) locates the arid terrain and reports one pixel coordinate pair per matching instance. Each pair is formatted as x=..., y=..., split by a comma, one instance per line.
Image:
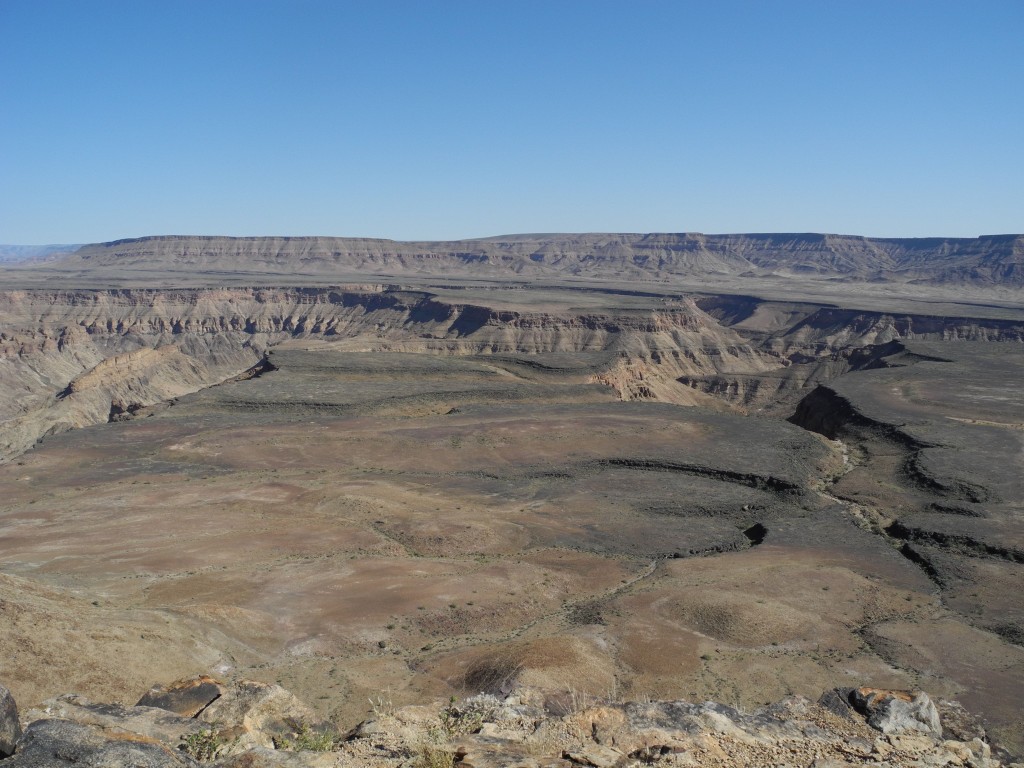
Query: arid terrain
x=664, y=466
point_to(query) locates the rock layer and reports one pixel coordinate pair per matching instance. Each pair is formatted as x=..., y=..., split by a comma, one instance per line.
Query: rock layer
x=994, y=259
x=73, y=358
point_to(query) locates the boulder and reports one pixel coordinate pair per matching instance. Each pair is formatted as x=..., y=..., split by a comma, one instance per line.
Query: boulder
x=607, y=725
x=648, y=728
x=898, y=712
x=596, y=756
x=257, y=715
x=837, y=701
x=499, y=754
x=57, y=743
x=184, y=697
x=659, y=724
x=10, y=728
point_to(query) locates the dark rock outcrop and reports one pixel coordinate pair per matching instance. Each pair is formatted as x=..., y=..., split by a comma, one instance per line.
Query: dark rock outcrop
x=184, y=697
x=10, y=727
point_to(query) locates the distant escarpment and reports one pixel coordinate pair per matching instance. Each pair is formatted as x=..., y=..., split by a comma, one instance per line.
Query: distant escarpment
x=994, y=260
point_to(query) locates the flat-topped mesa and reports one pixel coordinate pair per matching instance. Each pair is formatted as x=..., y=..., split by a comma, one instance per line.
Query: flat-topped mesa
x=78, y=357
x=996, y=260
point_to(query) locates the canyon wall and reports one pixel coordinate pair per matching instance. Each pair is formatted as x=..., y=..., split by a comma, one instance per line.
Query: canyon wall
x=72, y=358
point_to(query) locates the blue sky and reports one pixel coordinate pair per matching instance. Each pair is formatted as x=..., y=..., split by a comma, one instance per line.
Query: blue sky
x=440, y=120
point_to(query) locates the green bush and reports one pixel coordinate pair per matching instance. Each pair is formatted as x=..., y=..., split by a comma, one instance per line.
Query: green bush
x=204, y=745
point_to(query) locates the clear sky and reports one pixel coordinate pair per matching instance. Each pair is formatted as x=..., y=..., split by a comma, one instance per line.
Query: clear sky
x=465, y=118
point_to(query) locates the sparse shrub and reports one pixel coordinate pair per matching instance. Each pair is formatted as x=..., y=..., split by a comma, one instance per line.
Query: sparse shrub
x=457, y=721
x=483, y=703
x=586, y=613
x=454, y=720
x=382, y=707
x=204, y=745
x=306, y=740
x=650, y=755
x=580, y=700
x=435, y=750
x=434, y=756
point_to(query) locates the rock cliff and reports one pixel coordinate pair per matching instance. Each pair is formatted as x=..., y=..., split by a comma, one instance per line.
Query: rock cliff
x=70, y=358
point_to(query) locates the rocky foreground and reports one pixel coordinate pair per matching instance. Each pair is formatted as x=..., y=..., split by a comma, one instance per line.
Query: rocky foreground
x=245, y=724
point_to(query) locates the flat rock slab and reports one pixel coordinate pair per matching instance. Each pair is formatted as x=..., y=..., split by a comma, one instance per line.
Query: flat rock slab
x=261, y=757
x=56, y=743
x=185, y=697
x=145, y=722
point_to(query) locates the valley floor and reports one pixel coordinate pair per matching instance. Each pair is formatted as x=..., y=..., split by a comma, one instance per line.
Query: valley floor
x=387, y=495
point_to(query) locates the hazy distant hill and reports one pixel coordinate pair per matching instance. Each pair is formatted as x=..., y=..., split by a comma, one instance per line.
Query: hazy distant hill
x=994, y=260
x=34, y=253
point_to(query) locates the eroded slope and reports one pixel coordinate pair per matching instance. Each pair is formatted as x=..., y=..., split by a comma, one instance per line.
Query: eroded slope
x=352, y=523
x=938, y=435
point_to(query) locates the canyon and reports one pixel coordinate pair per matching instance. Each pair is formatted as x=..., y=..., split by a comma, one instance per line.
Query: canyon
x=696, y=467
